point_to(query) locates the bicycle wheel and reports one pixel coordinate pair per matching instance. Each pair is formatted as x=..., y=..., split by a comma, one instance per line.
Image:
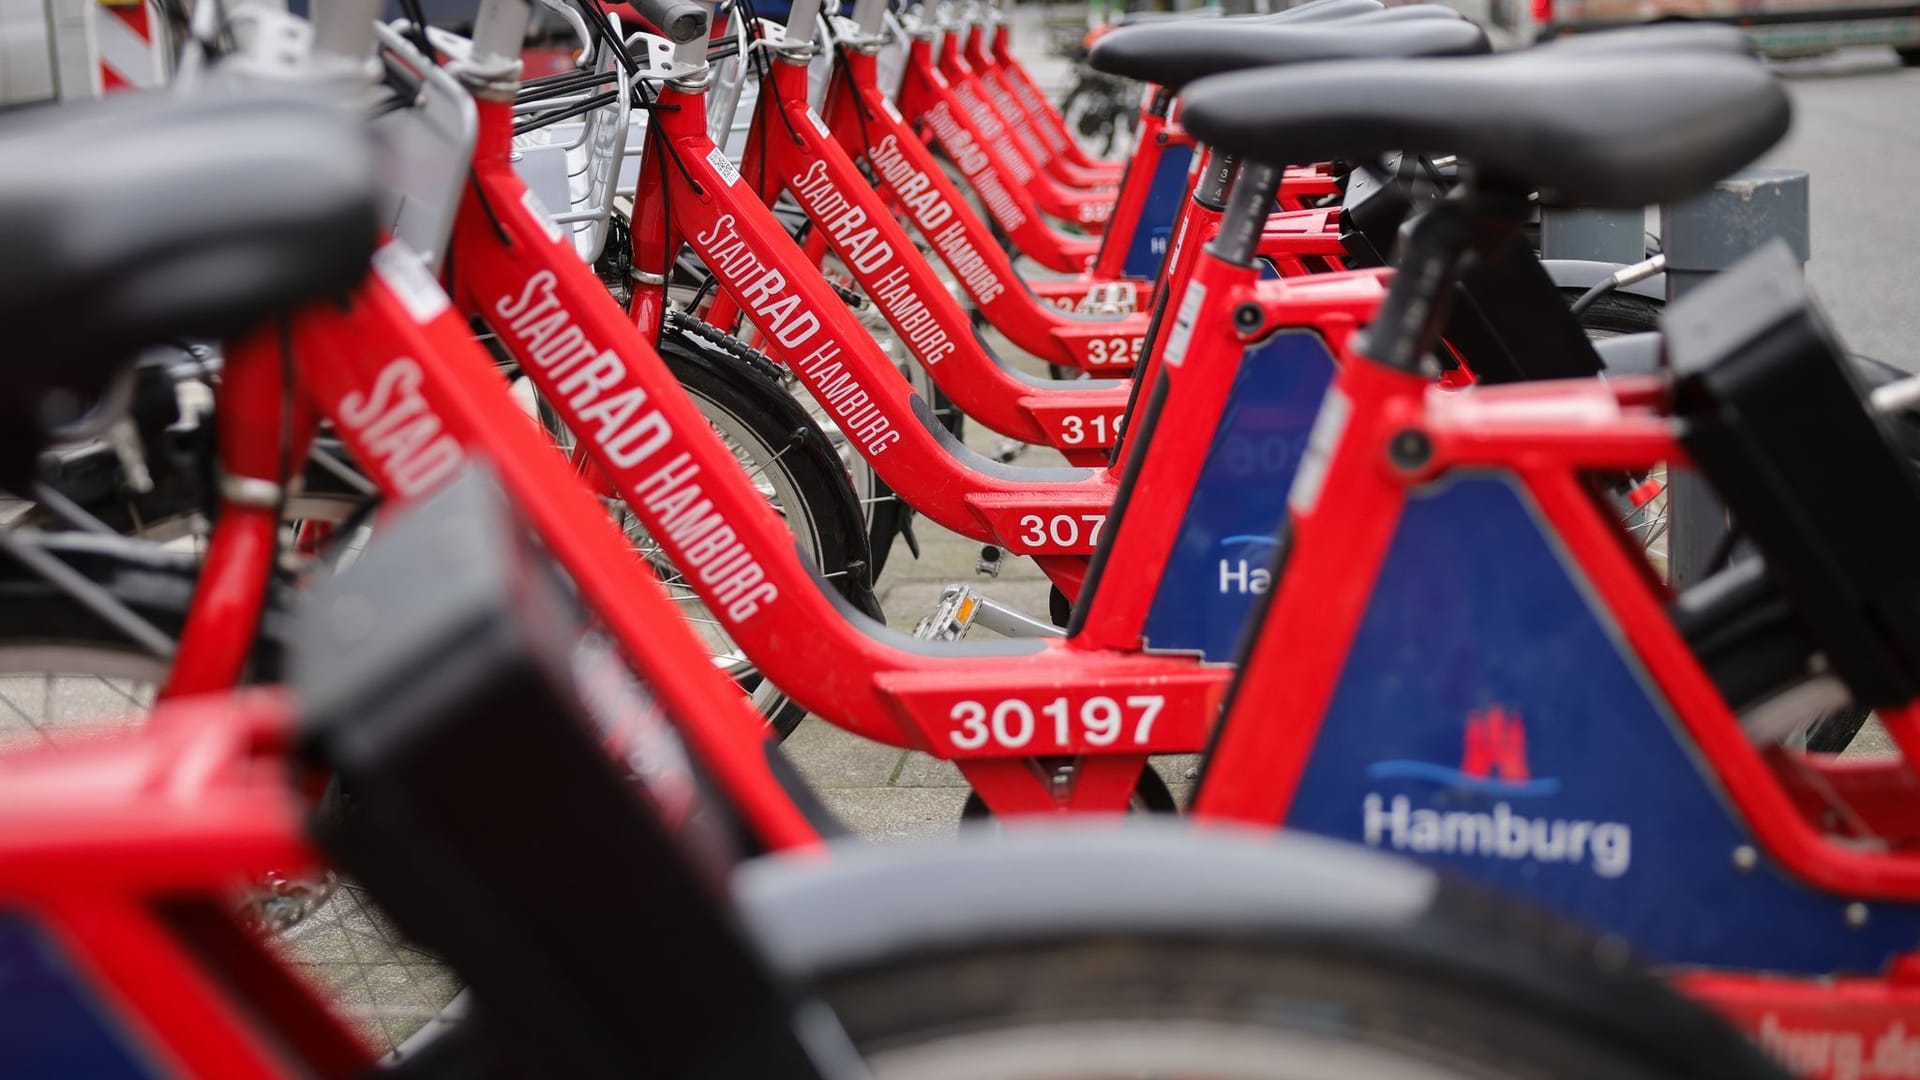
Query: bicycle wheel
x=66, y=674
x=1617, y=313
x=1164, y=1005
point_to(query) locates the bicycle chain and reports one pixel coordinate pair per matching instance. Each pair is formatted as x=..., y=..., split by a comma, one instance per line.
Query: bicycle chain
x=753, y=358
x=852, y=299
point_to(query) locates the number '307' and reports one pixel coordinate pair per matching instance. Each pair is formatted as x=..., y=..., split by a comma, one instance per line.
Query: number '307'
x=1013, y=724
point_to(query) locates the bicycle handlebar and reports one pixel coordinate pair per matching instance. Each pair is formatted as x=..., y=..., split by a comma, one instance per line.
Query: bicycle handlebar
x=680, y=21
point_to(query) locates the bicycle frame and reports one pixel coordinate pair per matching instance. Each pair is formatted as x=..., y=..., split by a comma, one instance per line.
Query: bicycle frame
x=863, y=119
x=693, y=195
x=927, y=100
x=608, y=386
x=116, y=861
x=926, y=95
x=409, y=391
x=1043, y=141
x=1394, y=468
x=1020, y=81
x=792, y=154
x=1017, y=148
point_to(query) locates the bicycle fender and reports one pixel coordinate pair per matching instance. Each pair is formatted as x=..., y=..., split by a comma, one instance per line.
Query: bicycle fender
x=1584, y=274
x=867, y=906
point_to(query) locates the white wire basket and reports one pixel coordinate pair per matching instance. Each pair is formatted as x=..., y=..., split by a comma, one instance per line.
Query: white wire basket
x=573, y=166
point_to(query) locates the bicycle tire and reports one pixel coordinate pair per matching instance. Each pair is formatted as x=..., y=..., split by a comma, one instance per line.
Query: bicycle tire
x=1618, y=313
x=47, y=633
x=1230, y=1009
x=1835, y=731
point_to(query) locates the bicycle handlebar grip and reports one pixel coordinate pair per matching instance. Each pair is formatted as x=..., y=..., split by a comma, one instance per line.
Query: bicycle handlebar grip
x=680, y=20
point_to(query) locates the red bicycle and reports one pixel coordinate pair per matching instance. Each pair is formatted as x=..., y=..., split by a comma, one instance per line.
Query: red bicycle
x=1554, y=617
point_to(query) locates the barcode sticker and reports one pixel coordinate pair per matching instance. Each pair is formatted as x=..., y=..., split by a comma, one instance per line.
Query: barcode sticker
x=406, y=277
x=1183, y=319
x=539, y=211
x=718, y=159
x=1328, y=427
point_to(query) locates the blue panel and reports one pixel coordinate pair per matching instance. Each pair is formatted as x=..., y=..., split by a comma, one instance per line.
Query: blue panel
x=1490, y=722
x=1221, y=561
x=1164, y=198
x=50, y=1026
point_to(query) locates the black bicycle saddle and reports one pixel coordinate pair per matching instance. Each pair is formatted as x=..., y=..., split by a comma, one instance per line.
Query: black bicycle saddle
x=1176, y=54
x=138, y=220
x=1604, y=130
x=132, y=221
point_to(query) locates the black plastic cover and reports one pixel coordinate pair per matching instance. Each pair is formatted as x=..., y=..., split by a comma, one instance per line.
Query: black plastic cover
x=1774, y=416
x=481, y=811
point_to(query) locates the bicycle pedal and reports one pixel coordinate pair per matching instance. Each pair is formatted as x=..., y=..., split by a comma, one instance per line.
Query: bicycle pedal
x=952, y=615
x=1109, y=298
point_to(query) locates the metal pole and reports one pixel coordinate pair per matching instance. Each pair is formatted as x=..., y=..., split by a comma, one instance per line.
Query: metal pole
x=1700, y=237
x=344, y=28
x=869, y=15
x=800, y=20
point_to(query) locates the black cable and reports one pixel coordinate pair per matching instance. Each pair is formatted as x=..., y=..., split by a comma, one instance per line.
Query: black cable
x=596, y=19
x=578, y=108
x=548, y=86
x=1592, y=296
x=417, y=29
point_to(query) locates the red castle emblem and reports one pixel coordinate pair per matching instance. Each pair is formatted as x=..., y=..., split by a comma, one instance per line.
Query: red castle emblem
x=1495, y=746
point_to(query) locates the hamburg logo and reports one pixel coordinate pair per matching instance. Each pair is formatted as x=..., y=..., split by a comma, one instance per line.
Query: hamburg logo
x=1493, y=764
x=1247, y=573
x=1493, y=761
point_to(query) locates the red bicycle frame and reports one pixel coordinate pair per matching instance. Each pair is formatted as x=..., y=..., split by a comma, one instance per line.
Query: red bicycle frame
x=927, y=100
x=691, y=194
x=397, y=372
x=1035, y=104
x=927, y=96
x=1046, y=144
x=121, y=855
x=1549, y=437
x=864, y=121
x=1087, y=209
x=791, y=153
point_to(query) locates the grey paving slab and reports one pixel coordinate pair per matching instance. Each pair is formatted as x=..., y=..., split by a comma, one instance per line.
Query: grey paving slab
x=898, y=815
x=832, y=758
x=921, y=771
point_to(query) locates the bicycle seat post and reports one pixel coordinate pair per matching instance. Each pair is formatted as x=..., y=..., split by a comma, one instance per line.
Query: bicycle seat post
x=1434, y=248
x=343, y=30
x=492, y=66
x=798, y=39
x=691, y=55
x=870, y=17
x=1248, y=201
